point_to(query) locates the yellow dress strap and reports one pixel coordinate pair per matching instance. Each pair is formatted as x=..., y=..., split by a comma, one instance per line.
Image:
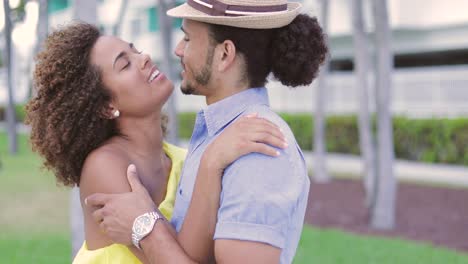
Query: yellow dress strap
x=177, y=156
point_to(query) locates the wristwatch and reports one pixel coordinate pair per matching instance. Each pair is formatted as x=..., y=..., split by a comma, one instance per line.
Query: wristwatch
x=143, y=225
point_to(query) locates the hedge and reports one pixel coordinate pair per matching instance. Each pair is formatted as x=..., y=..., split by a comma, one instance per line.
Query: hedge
x=435, y=140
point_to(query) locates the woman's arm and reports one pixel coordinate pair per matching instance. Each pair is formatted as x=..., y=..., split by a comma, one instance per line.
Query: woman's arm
x=103, y=173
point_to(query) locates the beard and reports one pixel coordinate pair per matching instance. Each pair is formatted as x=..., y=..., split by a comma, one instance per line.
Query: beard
x=202, y=77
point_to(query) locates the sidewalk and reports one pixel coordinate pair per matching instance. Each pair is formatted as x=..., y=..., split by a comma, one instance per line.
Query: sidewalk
x=344, y=164
x=404, y=170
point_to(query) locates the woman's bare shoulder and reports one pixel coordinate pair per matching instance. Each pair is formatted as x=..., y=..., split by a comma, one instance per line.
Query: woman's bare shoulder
x=105, y=170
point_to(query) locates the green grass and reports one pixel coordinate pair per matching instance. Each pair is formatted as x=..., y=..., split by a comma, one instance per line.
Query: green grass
x=41, y=247
x=34, y=211
x=327, y=246
x=34, y=225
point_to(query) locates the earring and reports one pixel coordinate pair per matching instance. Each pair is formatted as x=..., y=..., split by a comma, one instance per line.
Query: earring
x=116, y=113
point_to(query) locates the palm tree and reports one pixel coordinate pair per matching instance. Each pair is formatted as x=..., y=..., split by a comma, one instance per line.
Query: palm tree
x=320, y=171
x=84, y=10
x=383, y=215
x=10, y=110
x=166, y=41
x=361, y=67
x=42, y=25
x=118, y=24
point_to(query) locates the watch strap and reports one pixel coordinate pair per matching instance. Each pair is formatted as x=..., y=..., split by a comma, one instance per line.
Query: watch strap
x=136, y=238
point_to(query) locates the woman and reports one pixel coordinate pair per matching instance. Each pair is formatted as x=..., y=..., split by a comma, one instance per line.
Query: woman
x=98, y=109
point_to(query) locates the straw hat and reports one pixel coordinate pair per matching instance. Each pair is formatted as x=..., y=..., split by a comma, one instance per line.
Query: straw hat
x=239, y=13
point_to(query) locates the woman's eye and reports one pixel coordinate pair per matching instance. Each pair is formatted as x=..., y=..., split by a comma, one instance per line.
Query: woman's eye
x=126, y=66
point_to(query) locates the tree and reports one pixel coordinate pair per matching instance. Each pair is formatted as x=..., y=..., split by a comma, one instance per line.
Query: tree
x=42, y=24
x=84, y=10
x=383, y=214
x=42, y=31
x=320, y=171
x=118, y=24
x=361, y=68
x=165, y=23
x=10, y=110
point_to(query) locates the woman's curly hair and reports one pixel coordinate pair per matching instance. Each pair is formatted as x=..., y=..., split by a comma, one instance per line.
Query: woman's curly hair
x=66, y=116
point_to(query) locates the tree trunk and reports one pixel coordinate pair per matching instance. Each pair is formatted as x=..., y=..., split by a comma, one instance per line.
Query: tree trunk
x=118, y=24
x=383, y=215
x=84, y=10
x=10, y=110
x=320, y=171
x=361, y=69
x=167, y=66
x=41, y=32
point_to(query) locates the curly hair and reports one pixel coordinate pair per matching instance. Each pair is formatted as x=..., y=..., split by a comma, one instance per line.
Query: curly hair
x=293, y=53
x=66, y=116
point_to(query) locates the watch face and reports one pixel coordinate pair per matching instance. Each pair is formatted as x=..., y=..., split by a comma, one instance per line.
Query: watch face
x=143, y=225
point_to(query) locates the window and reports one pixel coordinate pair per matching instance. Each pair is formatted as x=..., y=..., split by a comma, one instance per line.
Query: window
x=57, y=5
x=153, y=19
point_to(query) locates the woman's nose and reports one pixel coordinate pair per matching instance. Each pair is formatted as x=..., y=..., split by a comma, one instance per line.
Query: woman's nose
x=145, y=61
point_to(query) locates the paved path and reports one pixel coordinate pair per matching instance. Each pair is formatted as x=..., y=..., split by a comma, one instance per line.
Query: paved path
x=404, y=170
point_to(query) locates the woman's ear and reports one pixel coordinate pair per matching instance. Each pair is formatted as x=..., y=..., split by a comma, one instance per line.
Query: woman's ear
x=109, y=112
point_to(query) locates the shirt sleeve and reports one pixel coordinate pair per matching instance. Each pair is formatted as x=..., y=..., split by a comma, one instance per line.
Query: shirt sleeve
x=259, y=195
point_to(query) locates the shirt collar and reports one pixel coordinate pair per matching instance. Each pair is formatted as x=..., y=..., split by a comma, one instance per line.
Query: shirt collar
x=219, y=114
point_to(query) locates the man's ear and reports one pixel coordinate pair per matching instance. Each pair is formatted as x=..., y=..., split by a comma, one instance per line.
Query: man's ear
x=227, y=54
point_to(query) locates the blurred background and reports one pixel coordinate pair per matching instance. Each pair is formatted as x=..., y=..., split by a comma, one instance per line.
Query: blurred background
x=384, y=128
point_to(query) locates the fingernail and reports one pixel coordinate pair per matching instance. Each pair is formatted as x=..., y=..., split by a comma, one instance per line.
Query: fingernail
x=132, y=168
x=277, y=153
x=285, y=144
x=86, y=201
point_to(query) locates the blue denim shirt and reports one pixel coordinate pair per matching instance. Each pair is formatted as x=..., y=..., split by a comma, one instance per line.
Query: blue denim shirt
x=263, y=198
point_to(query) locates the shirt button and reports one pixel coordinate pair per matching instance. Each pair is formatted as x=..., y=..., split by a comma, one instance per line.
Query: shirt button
x=180, y=191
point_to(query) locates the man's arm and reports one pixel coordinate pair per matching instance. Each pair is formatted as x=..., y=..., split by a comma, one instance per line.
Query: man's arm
x=239, y=251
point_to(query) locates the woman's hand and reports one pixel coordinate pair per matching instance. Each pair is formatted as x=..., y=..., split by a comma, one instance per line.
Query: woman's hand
x=246, y=135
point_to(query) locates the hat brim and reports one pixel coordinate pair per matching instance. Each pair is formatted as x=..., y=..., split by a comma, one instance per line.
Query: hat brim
x=261, y=21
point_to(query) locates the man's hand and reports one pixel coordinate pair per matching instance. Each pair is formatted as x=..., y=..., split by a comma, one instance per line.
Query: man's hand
x=115, y=213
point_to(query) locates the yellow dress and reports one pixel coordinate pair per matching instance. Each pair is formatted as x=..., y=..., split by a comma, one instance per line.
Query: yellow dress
x=118, y=253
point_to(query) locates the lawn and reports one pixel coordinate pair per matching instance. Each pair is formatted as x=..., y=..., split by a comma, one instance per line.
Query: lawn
x=34, y=225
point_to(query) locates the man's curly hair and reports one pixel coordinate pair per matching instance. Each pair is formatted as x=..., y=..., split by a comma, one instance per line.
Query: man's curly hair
x=67, y=115
x=293, y=53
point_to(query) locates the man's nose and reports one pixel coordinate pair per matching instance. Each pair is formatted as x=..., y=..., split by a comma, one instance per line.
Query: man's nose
x=179, y=49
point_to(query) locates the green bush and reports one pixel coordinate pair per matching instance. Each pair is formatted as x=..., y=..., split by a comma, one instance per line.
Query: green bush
x=186, y=124
x=20, y=112
x=426, y=140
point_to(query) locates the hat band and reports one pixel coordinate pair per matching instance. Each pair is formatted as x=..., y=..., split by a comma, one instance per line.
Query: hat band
x=216, y=8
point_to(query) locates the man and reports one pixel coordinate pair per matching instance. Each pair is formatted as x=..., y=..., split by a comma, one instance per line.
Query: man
x=229, y=48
